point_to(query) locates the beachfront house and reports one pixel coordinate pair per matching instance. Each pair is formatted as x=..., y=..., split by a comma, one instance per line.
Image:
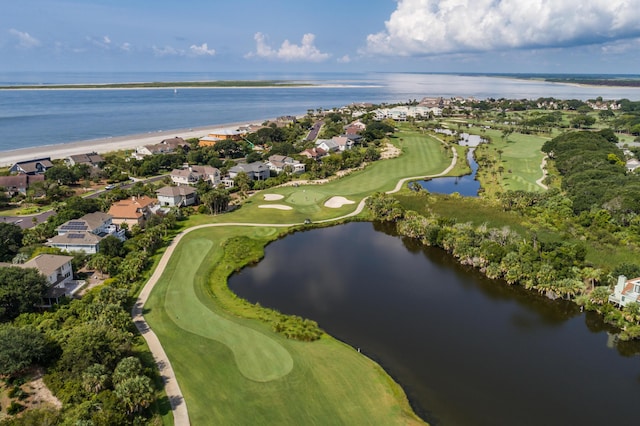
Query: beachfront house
x=91, y=159
x=166, y=146
x=255, y=171
x=32, y=167
x=217, y=135
x=625, y=291
x=18, y=184
x=133, y=211
x=176, y=196
x=190, y=175
x=280, y=163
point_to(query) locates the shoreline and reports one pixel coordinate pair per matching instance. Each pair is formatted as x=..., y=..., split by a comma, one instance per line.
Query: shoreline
x=109, y=144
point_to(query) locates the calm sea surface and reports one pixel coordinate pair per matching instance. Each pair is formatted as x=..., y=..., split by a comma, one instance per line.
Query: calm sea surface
x=31, y=118
x=466, y=349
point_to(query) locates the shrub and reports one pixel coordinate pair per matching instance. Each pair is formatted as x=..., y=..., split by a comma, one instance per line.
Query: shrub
x=15, y=408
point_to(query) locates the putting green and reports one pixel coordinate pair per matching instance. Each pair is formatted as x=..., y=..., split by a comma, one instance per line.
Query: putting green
x=306, y=197
x=257, y=356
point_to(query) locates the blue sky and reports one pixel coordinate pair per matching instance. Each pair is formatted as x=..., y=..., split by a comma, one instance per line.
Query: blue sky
x=545, y=36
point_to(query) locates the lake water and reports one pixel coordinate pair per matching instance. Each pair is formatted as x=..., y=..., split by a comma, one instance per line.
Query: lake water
x=466, y=349
x=43, y=117
x=466, y=185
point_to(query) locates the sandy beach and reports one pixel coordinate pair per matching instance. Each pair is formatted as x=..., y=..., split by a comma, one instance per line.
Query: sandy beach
x=101, y=146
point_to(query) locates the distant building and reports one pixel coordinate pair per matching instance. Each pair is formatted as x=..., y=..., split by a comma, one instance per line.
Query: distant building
x=255, y=171
x=59, y=273
x=91, y=159
x=279, y=163
x=626, y=291
x=314, y=153
x=166, y=146
x=86, y=233
x=221, y=134
x=18, y=184
x=32, y=167
x=176, y=196
x=133, y=211
x=190, y=175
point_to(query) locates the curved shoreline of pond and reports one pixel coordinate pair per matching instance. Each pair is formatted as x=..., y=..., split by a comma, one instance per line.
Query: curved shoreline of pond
x=172, y=388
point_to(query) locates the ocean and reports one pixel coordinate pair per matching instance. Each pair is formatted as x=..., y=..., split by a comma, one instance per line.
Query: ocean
x=31, y=118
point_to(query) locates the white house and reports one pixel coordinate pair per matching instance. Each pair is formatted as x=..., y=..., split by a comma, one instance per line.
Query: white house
x=179, y=196
x=328, y=145
x=278, y=163
x=84, y=234
x=625, y=291
x=192, y=174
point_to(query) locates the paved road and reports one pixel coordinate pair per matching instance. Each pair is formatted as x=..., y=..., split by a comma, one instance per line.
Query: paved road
x=172, y=388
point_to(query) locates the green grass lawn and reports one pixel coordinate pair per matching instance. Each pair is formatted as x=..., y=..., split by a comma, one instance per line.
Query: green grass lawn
x=422, y=155
x=237, y=371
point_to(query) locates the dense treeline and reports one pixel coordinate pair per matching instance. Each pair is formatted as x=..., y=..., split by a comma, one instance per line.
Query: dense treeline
x=88, y=347
x=594, y=175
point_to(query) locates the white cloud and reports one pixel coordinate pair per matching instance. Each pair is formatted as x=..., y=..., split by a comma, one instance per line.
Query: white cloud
x=25, y=40
x=126, y=46
x=288, y=51
x=344, y=60
x=167, y=51
x=202, y=50
x=103, y=42
x=428, y=27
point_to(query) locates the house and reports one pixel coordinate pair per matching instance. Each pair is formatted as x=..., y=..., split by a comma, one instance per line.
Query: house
x=192, y=174
x=221, y=134
x=256, y=170
x=132, y=211
x=76, y=241
x=84, y=234
x=18, y=184
x=91, y=159
x=343, y=142
x=327, y=145
x=279, y=163
x=632, y=164
x=354, y=128
x=314, y=153
x=626, y=291
x=59, y=273
x=176, y=196
x=166, y=146
x=32, y=167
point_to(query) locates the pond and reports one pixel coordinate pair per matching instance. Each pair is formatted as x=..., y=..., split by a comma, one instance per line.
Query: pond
x=466, y=185
x=466, y=349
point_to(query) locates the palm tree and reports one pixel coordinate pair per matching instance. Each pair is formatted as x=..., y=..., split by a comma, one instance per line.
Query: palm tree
x=591, y=276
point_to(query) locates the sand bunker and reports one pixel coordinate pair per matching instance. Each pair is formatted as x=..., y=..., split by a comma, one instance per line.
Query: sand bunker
x=337, y=202
x=273, y=197
x=275, y=206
